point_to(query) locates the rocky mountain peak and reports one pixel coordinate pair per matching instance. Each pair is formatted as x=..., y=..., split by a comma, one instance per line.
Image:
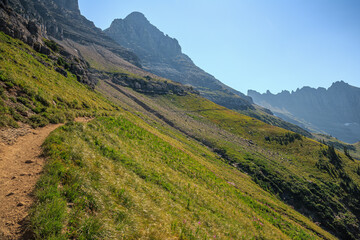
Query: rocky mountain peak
x=137, y=17
x=340, y=84
x=138, y=34
x=72, y=5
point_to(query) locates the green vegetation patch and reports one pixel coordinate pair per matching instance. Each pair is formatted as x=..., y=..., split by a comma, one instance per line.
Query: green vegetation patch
x=321, y=184
x=118, y=178
x=31, y=91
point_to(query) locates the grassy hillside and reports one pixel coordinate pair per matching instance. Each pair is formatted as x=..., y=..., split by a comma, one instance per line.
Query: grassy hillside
x=169, y=166
x=117, y=177
x=33, y=92
x=311, y=177
x=352, y=149
x=300, y=171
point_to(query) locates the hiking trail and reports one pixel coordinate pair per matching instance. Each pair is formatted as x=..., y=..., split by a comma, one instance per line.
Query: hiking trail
x=21, y=165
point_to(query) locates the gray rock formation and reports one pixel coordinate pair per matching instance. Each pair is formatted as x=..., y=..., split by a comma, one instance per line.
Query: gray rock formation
x=60, y=19
x=162, y=55
x=335, y=111
x=71, y=5
x=150, y=86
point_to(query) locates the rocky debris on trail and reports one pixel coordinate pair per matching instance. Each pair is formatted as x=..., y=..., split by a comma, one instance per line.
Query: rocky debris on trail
x=8, y=136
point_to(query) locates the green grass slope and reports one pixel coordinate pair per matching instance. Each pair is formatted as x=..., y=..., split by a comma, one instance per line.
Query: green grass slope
x=134, y=175
x=31, y=91
x=119, y=178
x=353, y=150
x=311, y=177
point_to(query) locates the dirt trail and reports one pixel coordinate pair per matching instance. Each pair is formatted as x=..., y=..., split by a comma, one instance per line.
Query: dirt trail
x=20, y=168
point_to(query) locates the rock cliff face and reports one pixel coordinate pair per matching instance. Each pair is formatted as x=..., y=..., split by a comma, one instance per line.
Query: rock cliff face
x=71, y=5
x=60, y=19
x=162, y=55
x=335, y=111
x=151, y=86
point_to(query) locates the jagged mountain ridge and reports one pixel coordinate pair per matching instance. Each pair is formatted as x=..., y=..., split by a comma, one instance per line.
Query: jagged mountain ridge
x=334, y=111
x=162, y=55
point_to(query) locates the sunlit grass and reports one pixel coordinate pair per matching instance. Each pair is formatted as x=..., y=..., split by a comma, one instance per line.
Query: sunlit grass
x=33, y=92
x=121, y=181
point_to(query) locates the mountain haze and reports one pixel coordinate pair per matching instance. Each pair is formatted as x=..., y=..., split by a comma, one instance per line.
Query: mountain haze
x=334, y=111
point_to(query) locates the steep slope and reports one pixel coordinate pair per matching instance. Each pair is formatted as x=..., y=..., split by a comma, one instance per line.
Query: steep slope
x=352, y=150
x=302, y=172
x=334, y=111
x=162, y=56
x=132, y=175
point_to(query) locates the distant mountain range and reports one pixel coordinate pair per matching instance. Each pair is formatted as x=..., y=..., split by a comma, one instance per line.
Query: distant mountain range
x=334, y=111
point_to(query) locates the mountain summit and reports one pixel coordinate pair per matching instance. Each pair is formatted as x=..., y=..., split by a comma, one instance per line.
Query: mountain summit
x=162, y=55
x=333, y=111
x=146, y=39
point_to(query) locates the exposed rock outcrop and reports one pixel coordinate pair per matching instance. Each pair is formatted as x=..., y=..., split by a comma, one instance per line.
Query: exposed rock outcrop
x=59, y=19
x=151, y=86
x=334, y=111
x=71, y=5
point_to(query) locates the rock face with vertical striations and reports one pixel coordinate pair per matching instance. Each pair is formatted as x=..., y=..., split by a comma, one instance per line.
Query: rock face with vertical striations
x=71, y=5
x=335, y=111
x=162, y=55
x=59, y=19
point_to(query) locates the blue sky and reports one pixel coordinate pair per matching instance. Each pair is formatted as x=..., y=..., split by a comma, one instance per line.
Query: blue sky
x=255, y=44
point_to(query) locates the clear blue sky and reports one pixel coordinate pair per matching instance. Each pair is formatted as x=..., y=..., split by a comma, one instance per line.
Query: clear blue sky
x=255, y=44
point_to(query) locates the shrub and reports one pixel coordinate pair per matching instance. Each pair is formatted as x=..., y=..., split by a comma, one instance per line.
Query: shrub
x=52, y=45
x=333, y=157
x=57, y=118
x=2, y=92
x=6, y=120
x=22, y=110
x=346, y=152
x=38, y=121
x=24, y=101
x=39, y=97
x=16, y=115
x=284, y=139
